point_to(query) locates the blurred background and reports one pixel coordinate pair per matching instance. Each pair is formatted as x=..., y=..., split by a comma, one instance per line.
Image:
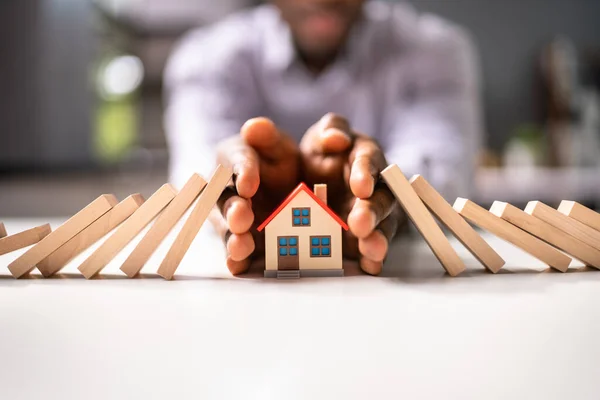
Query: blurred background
x=81, y=97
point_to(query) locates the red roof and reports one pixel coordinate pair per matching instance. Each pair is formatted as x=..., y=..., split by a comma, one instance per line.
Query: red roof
x=299, y=188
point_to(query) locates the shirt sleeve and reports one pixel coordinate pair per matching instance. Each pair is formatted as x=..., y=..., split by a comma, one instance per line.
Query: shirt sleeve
x=210, y=93
x=433, y=127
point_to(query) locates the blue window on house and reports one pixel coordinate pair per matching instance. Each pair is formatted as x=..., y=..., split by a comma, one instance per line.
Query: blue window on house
x=301, y=216
x=287, y=246
x=320, y=246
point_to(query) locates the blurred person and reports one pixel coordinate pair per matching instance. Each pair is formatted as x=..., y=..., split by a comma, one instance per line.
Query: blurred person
x=344, y=87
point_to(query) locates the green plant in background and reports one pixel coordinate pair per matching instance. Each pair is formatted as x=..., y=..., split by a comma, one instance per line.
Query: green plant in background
x=526, y=147
x=118, y=79
x=116, y=130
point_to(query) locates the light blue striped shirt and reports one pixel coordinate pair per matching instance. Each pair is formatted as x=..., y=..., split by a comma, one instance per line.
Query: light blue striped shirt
x=408, y=80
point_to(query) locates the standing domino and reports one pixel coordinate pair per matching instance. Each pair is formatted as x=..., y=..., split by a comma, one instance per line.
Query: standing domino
x=566, y=224
x=127, y=231
x=423, y=220
x=457, y=225
x=23, y=239
x=580, y=213
x=90, y=235
x=163, y=225
x=207, y=199
x=27, y=262
x=505, y=230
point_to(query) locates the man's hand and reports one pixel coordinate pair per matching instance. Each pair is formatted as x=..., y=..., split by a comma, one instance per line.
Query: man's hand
x=266, y=168
x=268, y=165
x=350, y=164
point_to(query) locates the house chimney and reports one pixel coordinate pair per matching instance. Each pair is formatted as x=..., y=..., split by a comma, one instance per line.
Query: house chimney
x=320, y=191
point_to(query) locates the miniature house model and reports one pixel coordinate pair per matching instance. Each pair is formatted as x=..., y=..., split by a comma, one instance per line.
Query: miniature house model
x=303, y=237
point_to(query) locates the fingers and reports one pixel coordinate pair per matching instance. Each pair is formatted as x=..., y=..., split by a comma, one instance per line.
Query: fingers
x=277, y=154
x=324, y=149
x=233, y=218
x=264, y=137
x=374, y=221
x=240, y=247
x=367, y=214
x=375, y=246
x=236, y=211
x=331, y=134
x=244, y=161
x=238, y=267
x=367, y=160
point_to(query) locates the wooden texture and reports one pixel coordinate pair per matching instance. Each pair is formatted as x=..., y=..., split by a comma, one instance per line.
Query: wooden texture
x=580, y=213
x=206, y=201
x=423, y=220
x=505, y=230
x=127, y=231
x=27, y=262
x=90, y=235
x=23, y=239
x=2, y=230
x=566, y=224
x=456, y=224
x=163, y=225
x=547, y=232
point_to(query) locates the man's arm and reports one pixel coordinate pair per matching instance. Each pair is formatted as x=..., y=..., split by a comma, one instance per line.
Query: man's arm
x=435, y=128
x=210, y=93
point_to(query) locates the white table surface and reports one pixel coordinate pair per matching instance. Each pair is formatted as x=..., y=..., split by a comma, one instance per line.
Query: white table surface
x=413, y=333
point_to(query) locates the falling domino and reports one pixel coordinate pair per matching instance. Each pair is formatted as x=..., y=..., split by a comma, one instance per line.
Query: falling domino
x=27, y=262
x=23, y=239
x=90, y=235
x=423, y=220
x=505, y=230
x=566, y=224
x=207, y=199
x=2, y=230
x=547, y=232
x=457, y=225
x=580, y=213
x=127, y=231
x=163, y=225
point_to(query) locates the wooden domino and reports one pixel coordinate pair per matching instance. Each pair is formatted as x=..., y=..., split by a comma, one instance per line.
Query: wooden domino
x=23, y=239
x=127, y=231
x=547, y=232
x=456, y=224
x=2, y=230
x=423, y=220
x=566, y=224
x=90, y=235
x=506, y=231
x=207, y=199
x=27, y=262
x=580, y=213
x=163, y=225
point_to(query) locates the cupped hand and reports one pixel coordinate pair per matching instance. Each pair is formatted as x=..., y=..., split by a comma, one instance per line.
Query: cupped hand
x=350, y=163
x=265, y=163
